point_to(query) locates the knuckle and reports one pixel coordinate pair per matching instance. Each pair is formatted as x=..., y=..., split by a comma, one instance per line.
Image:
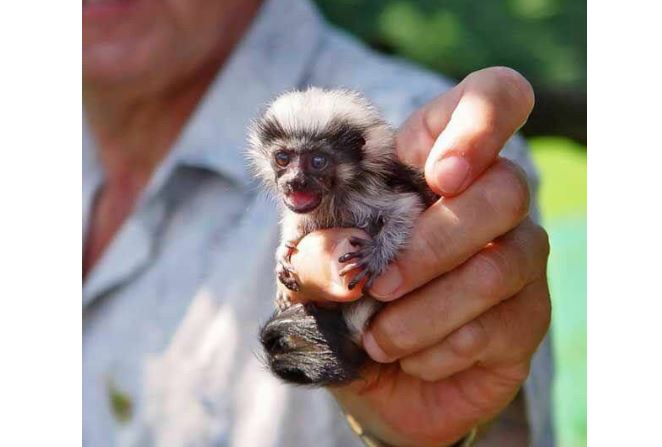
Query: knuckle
x=530, y=323
x=468, y=341
x=429, y=247
x=411, y=366
x=420, y=367
x=515, y=86
x=487, y=274
x=539, y=243
x=543, y=311
x=544, y=240
x=511, y=196
x=427, y=374
x=532, y=239
x=434, y=244
x=521, y=372
x=516, y=374
x=392, y=333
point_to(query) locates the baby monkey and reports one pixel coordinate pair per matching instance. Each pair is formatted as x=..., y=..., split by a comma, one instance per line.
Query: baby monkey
x=330, y=159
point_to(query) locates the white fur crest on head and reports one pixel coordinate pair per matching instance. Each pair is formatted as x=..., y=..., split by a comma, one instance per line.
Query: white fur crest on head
x=316, y=108
x=313, y=110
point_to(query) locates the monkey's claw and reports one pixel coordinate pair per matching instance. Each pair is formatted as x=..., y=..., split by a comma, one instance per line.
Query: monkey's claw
x=365, y=259
x=359, y=277
x=347, y=256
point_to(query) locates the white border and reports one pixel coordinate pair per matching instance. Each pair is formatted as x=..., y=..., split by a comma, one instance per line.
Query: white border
x=40, y=230
x=624, y=211
x=40, y=115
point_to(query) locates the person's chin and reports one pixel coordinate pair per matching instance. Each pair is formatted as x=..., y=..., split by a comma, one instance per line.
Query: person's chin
x=100, y=11
x=107, y=69
x=120, y=34
x=119, y=57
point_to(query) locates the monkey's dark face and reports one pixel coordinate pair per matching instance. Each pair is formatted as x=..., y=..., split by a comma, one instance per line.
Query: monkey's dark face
x=303, y=177
x=310, y=164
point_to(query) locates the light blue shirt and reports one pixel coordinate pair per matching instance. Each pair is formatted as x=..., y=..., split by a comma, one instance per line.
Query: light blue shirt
x=172, y=309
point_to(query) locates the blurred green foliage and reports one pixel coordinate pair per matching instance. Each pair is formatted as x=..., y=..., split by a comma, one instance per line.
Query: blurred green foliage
x=543, y=39
x=562, y=198
x=562, y=166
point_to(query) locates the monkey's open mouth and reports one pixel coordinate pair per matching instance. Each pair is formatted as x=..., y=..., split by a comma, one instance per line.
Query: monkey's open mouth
x=303, y=201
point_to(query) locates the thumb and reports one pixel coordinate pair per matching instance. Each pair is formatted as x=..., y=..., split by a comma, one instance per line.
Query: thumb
x=494, y=104
x=459, y=134
x=316, y=266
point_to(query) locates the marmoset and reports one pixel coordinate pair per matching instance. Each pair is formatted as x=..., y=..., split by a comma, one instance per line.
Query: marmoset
x=330, y=159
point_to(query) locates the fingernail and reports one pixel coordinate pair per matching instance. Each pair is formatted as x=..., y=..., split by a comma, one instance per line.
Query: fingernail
x=451, y=173
x=373, y=349
x=386, y=286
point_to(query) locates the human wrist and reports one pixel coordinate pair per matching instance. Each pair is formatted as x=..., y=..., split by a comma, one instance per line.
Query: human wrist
x=370, y=440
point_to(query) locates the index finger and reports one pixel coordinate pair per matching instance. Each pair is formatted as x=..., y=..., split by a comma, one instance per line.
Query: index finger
x=456, y=136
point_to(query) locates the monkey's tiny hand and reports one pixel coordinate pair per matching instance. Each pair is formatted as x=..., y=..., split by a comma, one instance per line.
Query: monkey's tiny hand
x=282, y=300
x=286, y=276
x=366, y=258
x=284, y=270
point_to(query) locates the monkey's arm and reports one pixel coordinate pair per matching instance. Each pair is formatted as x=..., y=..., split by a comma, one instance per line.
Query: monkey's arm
x=291, y=234
x=373, y=256
x=285, y=273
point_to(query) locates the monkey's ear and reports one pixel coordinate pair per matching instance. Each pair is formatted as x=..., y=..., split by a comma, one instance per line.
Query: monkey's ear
x=354, y=140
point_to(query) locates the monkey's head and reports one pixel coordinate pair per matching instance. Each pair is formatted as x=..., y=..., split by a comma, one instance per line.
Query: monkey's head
x=311, y=147
x=311, y=345
x=307, y=344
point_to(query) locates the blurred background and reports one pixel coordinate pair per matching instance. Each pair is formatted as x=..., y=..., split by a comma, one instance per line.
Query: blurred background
x=546, y=41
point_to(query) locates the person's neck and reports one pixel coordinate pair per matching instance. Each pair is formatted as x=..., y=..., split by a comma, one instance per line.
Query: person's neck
x=135, y=124
x=134, y=128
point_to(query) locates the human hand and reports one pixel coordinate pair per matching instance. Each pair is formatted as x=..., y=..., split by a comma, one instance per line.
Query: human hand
x=468, y=299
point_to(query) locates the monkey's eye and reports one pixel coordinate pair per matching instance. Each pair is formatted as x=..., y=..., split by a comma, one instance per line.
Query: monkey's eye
x=282, y=158
x=318, y=162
